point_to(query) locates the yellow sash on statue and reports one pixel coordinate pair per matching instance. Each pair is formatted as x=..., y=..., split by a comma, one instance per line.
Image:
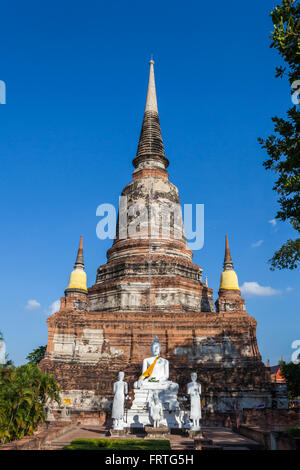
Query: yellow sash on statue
x=149, y=371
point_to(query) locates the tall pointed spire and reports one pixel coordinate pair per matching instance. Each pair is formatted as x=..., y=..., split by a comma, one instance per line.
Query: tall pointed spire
x=151, y=152
x=79, y=264
x=151, y=100
x=228, y=264
x=77, y=282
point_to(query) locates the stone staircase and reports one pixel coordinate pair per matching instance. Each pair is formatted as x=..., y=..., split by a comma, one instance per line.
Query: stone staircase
x=56, y=445
x=217, y=439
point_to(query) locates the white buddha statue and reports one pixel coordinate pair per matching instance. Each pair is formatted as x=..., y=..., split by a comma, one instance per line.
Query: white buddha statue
x=156, y=410
x=155, y=396
x=194, y=390
x=155, y=368
x=120, y=393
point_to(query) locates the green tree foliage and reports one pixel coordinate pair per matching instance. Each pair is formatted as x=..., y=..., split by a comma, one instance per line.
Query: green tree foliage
x=24, y=392
x=291, y=372
x=37, y=355
x=283, y=147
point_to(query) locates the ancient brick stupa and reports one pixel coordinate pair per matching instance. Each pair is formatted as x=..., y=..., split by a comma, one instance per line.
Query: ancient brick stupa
x=150, y=286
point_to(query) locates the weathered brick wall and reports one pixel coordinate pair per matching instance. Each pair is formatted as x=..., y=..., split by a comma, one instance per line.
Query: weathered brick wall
x=272, y=417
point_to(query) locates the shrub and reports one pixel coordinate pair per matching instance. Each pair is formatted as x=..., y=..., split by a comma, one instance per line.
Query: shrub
x=24, y=392
x=293, y=432
x=118, y=444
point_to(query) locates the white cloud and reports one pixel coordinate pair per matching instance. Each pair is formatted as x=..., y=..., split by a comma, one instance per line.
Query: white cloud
x=256, y=244
x=54, y=307
x=288, y=289
x=253, y=288
x=32, y=304
x=273, y=222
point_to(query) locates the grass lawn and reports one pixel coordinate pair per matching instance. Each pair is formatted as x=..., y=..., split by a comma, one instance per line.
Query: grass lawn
x=119, y=444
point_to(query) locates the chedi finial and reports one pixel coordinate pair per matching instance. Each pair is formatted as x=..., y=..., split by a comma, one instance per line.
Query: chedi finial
x=151, y=150
x=151, y=100
x=228, y=263
x=79, y=264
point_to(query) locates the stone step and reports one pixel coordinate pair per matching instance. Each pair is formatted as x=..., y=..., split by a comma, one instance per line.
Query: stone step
x=244, y=446
x=235, y=448
x=183, y=447
x=58, y=444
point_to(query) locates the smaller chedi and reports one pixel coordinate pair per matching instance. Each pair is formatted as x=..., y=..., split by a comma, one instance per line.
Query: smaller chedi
x=229, y=279
x=77, y=282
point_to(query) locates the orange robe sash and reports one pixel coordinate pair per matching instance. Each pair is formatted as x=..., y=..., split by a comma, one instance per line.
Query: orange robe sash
x=149, y=370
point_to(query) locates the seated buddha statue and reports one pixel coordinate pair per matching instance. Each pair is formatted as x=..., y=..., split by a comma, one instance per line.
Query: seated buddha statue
x=155, y=368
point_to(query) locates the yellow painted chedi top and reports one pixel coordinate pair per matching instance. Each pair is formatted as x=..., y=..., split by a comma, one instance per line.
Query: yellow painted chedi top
x=229, y=280
x=77, y=280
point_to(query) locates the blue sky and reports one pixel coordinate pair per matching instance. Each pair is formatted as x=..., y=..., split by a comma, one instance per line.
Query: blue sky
x=76, y=76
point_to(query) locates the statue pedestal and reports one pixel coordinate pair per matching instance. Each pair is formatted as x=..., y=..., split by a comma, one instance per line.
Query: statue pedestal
x=138, y=415
x=65, y=415
x=201, y=443
x=117, y=432
x=157, y=433
x=50, y=417
x=195, y=434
